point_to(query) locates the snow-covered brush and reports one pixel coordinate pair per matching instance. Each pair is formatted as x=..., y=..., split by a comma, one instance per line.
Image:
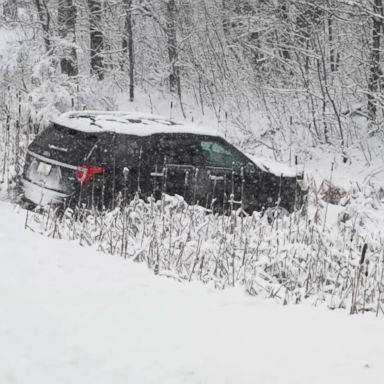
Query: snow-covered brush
x=291, y=260
x=14, y=136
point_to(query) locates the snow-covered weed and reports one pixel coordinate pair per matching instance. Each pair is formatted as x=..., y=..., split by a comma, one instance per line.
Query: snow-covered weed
x=292, y=259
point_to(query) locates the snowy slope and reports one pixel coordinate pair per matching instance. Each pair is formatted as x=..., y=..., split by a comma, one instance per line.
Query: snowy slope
x=72, y=315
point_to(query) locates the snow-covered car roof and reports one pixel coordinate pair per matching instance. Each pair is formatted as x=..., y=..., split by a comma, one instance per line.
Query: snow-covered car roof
x=144, y=124
x=129, y=123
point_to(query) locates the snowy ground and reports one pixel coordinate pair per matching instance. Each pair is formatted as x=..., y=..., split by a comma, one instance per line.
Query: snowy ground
x=72, y=315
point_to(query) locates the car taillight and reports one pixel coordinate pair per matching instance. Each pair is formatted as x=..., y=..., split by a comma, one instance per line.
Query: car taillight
x=85, y=173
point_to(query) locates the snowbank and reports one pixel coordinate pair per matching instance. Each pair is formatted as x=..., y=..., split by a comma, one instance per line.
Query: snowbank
x=72, y=315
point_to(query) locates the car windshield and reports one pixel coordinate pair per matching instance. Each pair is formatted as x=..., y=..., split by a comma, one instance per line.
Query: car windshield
x=64, y=144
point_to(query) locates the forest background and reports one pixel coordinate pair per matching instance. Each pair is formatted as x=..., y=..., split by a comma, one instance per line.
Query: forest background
x=281, y=75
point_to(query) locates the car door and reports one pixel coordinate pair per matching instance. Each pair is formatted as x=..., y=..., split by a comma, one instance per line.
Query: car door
x=228, y=175
x=174, y=159
x=127, y=152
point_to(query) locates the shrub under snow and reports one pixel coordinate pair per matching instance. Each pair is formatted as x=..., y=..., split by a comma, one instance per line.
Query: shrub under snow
x=291, y=259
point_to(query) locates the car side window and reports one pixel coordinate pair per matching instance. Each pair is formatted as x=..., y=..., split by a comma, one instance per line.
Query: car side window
x=218, y=154
x=175, y=149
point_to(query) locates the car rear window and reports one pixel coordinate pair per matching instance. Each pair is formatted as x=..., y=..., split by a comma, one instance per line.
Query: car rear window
x=127, y=150
x=64, y=144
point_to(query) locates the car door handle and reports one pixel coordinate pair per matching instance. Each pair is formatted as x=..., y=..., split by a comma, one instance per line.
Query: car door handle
x=216, y=178
x=157, y=174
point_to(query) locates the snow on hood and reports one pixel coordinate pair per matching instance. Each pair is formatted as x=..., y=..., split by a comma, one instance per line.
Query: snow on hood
x=129, y=123
x=271, y=166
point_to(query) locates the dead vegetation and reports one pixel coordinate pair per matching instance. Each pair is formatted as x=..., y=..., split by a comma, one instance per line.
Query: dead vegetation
x=290, y=260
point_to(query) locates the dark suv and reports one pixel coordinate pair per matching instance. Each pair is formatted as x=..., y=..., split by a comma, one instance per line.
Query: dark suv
x=104, y=158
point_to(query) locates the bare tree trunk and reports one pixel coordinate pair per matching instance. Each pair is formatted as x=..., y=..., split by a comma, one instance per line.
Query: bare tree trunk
x=128, y=47
x=374, y=69
x=283, y=14
x=225, y=20
x=333, y=64
x=97, y=39
x=45, y=20
x=174, y=76
x=67, y=14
